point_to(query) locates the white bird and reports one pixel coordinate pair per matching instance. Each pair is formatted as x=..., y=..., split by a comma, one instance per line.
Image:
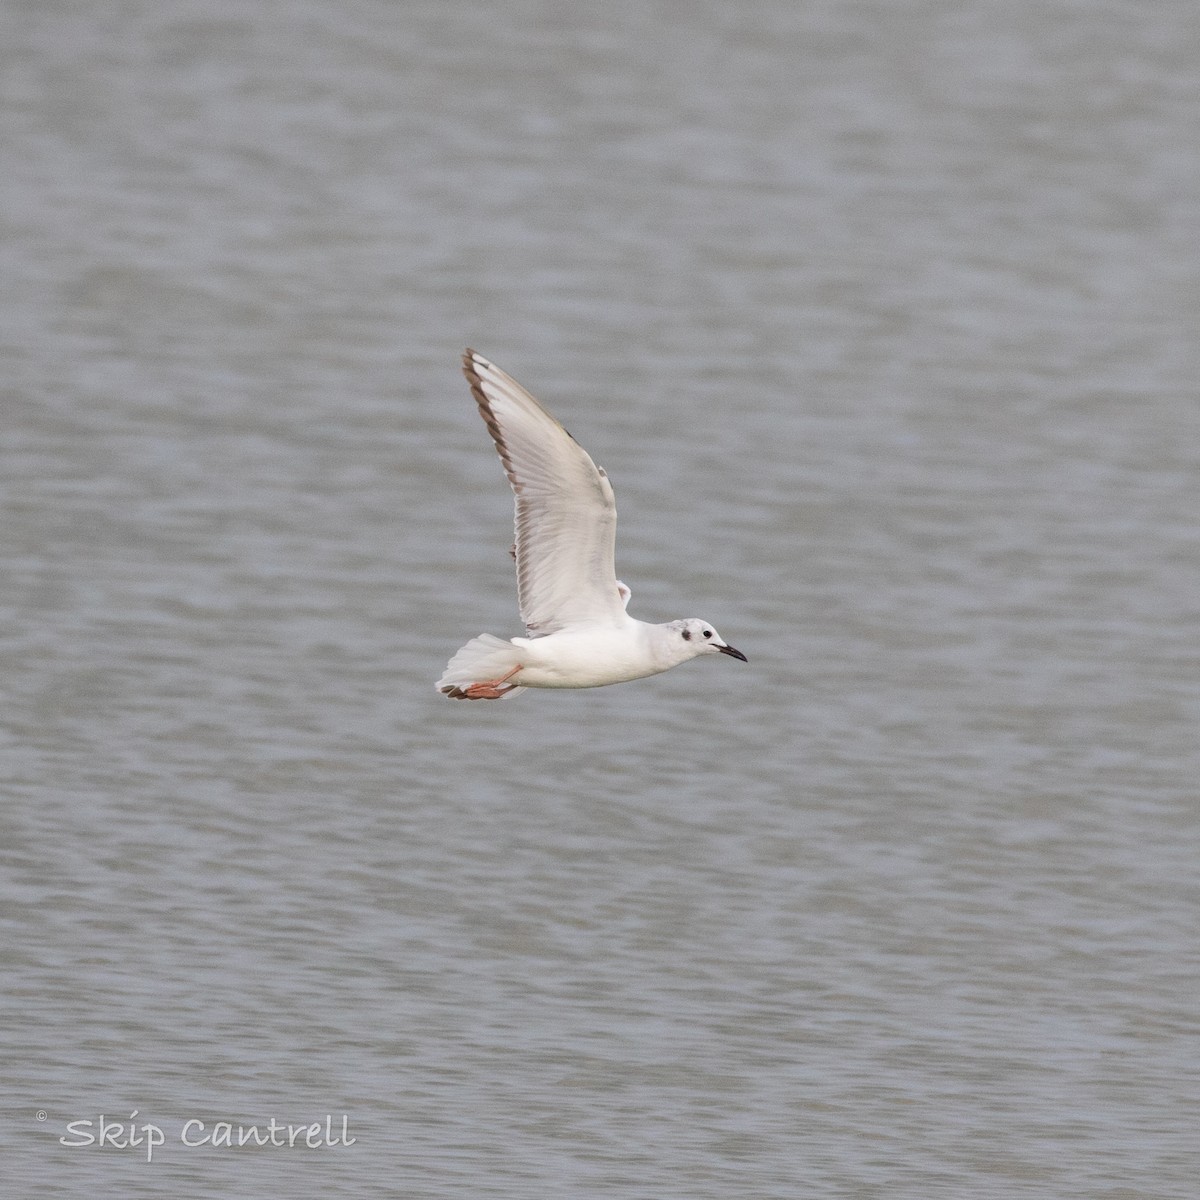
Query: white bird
x=578, y=632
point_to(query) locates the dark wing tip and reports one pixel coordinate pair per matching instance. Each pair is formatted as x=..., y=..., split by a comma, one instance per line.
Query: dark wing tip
x=472, y=363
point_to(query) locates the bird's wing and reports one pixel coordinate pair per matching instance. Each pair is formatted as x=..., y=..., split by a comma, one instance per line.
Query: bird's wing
x=566, y=516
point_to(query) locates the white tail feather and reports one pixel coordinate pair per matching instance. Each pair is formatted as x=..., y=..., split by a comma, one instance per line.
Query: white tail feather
x=482, y=659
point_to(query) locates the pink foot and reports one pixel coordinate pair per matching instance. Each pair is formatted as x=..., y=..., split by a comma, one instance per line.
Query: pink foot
x=488, y=689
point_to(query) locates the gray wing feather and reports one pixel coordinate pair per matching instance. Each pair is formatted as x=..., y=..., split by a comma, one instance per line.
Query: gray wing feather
x=566, y=514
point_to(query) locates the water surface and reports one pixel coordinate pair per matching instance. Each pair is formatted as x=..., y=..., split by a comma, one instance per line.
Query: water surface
x=882, y=319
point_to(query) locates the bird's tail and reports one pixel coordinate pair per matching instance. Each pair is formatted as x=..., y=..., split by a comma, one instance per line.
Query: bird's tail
x=482, y=666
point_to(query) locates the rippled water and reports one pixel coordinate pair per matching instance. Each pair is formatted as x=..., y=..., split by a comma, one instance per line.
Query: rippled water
x=882, y=318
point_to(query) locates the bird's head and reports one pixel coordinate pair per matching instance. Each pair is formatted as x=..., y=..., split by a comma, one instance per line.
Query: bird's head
x=699, y=637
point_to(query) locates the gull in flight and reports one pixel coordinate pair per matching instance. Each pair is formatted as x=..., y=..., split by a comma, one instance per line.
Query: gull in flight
x=573, y=605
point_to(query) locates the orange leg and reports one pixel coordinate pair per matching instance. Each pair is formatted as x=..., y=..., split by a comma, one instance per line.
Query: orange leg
x=490, y=689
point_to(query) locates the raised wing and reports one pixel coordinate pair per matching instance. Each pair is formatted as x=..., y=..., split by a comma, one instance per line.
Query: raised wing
x=566, y=515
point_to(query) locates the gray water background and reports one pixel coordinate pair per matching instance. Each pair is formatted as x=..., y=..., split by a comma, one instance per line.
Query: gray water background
x=883, y=318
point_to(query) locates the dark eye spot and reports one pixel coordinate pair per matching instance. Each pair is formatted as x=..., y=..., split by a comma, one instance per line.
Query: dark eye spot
x=687, y=635
x=708, y=633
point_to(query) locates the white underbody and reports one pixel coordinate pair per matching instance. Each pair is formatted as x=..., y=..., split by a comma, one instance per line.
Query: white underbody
x=591, y=657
